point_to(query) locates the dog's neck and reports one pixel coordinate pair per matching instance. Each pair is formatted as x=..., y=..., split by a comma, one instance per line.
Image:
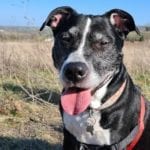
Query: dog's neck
x=113, y=99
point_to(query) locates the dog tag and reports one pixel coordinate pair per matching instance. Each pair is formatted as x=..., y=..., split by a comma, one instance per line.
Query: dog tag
x=90, y=129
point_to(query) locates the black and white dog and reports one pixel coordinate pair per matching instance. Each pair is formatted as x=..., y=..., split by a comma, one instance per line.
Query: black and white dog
x=101, y=107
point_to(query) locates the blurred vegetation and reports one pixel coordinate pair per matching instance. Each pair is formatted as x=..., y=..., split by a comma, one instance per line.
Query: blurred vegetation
x=33, y=34
x=145, y=35
x=24, y=34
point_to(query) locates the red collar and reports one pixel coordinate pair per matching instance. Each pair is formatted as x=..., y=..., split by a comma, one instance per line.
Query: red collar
x=140, y=126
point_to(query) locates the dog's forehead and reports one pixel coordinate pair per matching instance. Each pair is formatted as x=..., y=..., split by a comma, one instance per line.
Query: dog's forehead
x=97, y=23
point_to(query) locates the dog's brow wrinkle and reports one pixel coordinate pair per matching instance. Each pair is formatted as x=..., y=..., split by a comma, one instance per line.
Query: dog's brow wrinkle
x=98, y=36
x=73, y=30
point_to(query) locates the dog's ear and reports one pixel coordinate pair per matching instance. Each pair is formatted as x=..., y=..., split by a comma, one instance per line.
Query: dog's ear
x=122, y=21
x=59, y=17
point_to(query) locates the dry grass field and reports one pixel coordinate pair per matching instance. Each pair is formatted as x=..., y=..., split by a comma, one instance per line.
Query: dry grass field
x=29, y=91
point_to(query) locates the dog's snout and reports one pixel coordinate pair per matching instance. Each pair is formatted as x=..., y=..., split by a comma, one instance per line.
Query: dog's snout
x=75, y=72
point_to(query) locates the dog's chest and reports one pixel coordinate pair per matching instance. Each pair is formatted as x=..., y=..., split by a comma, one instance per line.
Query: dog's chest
x=86, y=128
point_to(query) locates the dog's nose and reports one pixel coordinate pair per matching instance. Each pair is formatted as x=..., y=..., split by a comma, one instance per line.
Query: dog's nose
x=76, y=71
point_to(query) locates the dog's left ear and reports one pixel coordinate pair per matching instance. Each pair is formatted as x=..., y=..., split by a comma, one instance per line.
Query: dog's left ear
x=122, y=21
x=59, y=18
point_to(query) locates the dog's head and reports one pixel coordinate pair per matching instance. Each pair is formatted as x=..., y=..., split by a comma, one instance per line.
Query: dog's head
x=88, y=48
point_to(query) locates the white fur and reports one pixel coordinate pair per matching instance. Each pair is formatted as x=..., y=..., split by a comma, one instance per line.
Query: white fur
x=86, y=30
x=97, y=97
x=77, y=125
x=99, y=36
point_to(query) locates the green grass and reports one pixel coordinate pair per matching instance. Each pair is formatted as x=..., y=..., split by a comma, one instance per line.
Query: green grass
x=143, y=81
x=35, y=82
x=145, y=35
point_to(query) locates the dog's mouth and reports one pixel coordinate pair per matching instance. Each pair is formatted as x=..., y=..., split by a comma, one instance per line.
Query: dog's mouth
x=75, y=100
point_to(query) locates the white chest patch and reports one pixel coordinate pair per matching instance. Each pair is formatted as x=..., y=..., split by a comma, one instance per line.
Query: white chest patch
x=97, y=97
x=86, y=128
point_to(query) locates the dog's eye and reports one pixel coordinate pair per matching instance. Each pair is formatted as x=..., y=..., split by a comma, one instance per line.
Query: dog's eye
x=99, y=45
x=66, y=40
x=66, y=37
x=104, y=42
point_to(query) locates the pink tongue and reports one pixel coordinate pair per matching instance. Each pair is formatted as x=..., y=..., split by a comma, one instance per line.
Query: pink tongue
x=75, y=101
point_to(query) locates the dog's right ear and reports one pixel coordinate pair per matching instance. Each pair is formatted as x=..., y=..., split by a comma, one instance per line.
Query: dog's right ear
x=59, y=17
x=122, y=21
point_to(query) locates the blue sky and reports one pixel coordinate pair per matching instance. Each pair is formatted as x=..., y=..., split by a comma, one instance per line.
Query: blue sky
x=33, y=12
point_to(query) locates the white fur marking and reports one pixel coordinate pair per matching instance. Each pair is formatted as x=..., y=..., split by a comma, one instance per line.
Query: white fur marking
x=78, y=54
x=97, y=97
x=86, y=30
x=77, y=125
